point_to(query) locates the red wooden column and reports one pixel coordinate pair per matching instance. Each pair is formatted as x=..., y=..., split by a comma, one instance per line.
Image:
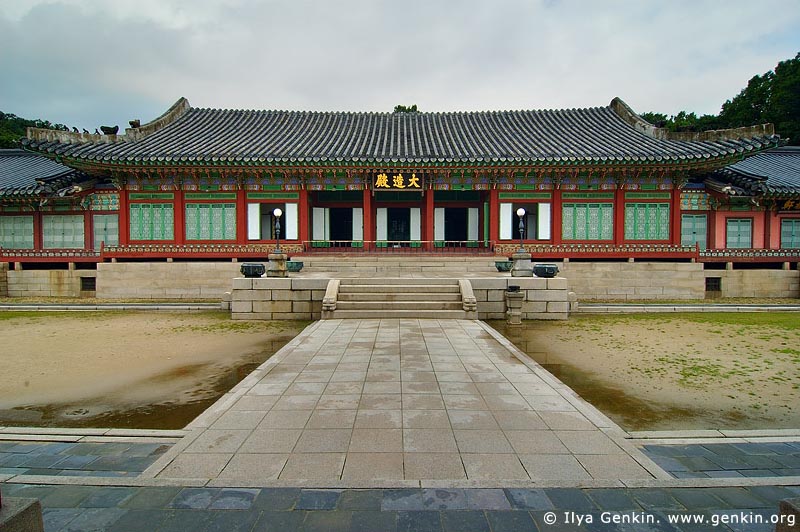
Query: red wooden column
x=38, y=236
x=124, y=217
x=768, y=228
x=675, y=213
x=241, y=216
x=369, y=224
x=429, y=218
x=556, y=212
x=711, y=236
x=88, y=229
x=302, y=213
x=494, y=215
x=619, y=216
x=179, y=213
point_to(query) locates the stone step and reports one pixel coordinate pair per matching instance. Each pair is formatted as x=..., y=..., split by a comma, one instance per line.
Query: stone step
x=453, y=295
x=400, y=314
x=454, y=270
x=347, y=263
x=417, y=281
x=345, y=288
x=398, y=305
x=370, y=265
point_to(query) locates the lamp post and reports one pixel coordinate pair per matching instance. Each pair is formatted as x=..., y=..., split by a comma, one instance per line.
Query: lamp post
x=277, y=214
x=521, y=214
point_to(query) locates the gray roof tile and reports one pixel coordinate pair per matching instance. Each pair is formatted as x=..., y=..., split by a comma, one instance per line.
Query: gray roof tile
x=775, y=171
x=25, y=173
x=597, y=134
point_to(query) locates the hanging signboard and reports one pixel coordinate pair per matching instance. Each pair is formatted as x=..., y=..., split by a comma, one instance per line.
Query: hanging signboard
x=790, y=205
x=398, y=181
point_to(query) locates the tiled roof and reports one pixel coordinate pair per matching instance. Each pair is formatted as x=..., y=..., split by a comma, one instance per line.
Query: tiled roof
x=23, y=173
x=598, y=135
x=773, y=172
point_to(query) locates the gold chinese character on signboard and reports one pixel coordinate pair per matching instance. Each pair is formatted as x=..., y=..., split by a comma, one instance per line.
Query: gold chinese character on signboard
x=397, y=181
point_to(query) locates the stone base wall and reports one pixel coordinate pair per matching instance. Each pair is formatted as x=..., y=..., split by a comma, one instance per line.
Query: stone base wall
x=3, y=279
x=165, y=280
x=267, y=298
x=47, y=283
x=634, y=280
x=545, y=299
x=757, y=283
x=589, y=280
x=455, y=265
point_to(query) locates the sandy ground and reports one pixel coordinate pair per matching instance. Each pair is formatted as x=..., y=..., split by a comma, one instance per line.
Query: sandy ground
x=677, y=371
x=99, y=362
x=644, y=371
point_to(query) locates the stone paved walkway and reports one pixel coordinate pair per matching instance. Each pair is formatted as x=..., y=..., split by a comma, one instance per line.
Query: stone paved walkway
x=349, y=402
x=121, y=459
x=728, y=460
x=167, y=509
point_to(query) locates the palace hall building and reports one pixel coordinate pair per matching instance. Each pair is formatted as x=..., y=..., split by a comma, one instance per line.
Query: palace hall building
x=204, y=184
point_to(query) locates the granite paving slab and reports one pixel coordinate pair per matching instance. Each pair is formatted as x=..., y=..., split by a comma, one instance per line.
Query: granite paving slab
x=727, y=460
x=374, y=510
x=350, y=401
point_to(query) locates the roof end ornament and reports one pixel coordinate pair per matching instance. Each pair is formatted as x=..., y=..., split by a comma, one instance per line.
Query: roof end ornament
x=139, y=131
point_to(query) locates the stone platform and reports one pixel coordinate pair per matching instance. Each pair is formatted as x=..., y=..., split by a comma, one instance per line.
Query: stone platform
x=421, y=296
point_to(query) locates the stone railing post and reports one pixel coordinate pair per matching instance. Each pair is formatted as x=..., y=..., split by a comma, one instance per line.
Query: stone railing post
x=329, y=301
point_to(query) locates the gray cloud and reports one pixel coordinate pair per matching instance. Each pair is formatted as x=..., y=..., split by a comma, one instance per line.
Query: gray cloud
x=90, y=62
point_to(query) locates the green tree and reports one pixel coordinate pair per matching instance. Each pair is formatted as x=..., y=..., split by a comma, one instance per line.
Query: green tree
x=750, y=105
x=784, y=103
x=682, y=121
x=13, y=128
x=657, y=119
x=405, y=109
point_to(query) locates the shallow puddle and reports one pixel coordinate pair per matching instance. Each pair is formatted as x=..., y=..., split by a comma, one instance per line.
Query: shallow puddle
x=195, y=388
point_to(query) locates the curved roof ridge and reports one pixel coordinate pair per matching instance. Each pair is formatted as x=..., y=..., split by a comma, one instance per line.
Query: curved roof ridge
x=640, y=124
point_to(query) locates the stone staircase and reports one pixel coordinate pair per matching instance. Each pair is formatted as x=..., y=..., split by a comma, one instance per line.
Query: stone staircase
x=399, y=298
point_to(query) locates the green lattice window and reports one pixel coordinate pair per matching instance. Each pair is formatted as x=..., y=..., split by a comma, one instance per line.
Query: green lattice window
x=739, y=233
x=62, y=231
x=694, y=230
x=210, y=221
x=106, y=230
x=152, y=221
x=587, y=221
x=16, y=232
x=647, y=221
x=790, y=233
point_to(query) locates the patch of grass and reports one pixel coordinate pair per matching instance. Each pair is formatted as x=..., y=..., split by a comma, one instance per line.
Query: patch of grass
x=221, y=323
x=788, y=351
x=717, y=301
x=39, y=315
x=241, y=326
x=788, y=321
x=96, y=301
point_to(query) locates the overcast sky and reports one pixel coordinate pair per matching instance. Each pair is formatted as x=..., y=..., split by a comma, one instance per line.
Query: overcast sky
x=88, y=63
